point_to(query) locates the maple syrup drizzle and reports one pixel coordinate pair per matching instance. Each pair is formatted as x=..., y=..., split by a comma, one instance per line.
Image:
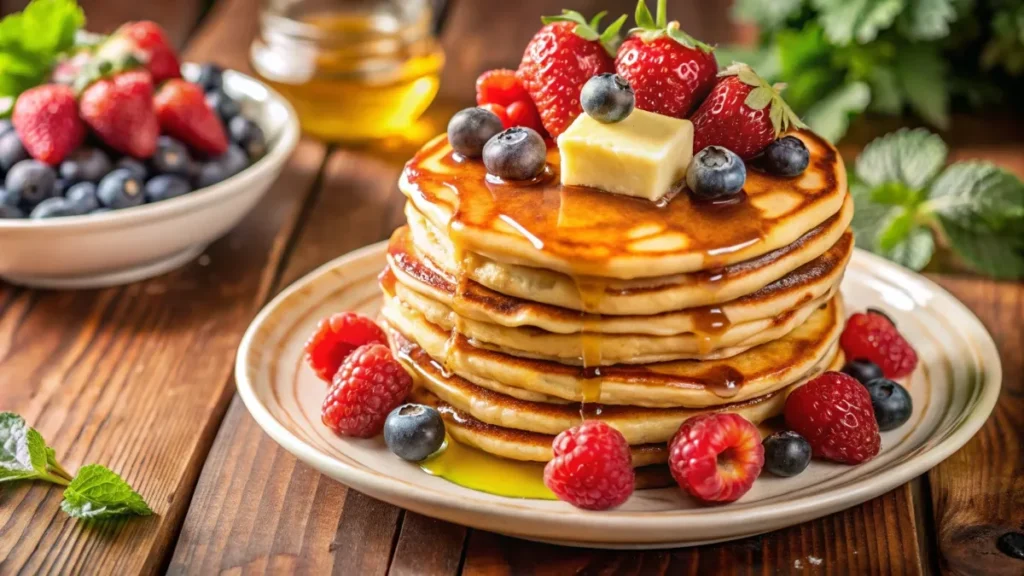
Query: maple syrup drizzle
x=722, y=380
x=591, y=291
x=709, y=324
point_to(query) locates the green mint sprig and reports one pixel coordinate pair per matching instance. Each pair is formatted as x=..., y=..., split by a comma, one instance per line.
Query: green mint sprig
x=95, y=492
x=908, y=202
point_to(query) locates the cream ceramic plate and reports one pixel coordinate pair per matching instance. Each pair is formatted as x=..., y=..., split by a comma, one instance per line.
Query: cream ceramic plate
x=954, y=390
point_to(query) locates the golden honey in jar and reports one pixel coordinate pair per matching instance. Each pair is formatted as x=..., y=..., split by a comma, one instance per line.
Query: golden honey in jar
x=353, y=69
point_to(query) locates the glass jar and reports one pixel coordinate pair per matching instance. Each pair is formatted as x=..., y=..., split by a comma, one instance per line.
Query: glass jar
x=353, y=69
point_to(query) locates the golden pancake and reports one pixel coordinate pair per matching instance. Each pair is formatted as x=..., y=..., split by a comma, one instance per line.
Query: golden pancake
x=584, y=231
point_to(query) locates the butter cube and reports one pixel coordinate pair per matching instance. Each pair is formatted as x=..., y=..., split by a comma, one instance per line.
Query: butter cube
x=642, y=156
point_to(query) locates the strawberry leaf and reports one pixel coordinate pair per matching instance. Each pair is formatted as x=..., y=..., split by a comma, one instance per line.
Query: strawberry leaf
x=643, y=17
x=650, y=29
x=759, y=98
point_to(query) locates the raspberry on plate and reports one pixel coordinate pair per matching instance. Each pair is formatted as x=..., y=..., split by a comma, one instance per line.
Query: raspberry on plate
x=592, y=467
x=874, y=337
x=716, y=457
x=499, y=87
x=833, y=412
x=368, y=386
x=336, y=337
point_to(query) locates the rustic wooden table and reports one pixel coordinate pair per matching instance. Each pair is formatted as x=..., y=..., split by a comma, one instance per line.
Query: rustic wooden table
x=139, y=378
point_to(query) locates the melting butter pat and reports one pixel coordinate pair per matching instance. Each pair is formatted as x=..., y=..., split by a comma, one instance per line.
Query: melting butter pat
x=642, y=156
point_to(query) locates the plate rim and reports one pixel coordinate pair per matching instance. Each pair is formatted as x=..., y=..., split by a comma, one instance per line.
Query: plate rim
x=468, y=511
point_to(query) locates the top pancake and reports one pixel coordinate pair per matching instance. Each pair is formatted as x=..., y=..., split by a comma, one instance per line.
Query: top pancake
x=584, y=231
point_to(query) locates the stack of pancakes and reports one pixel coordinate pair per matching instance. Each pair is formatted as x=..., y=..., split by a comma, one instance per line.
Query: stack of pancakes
x=524, y=308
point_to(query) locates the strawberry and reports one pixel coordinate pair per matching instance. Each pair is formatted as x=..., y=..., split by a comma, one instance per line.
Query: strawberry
x=559, y=60
x=119, y=109
x=153, y=48
x=669, y=70
x=47, y=122
x=742, y=113
x=183, y=113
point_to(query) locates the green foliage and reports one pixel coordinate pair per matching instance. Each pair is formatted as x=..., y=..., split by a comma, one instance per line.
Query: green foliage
x=98, y=493
x=31, y=40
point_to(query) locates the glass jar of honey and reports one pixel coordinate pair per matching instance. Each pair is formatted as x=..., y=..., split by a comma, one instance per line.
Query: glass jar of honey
x=353, y=69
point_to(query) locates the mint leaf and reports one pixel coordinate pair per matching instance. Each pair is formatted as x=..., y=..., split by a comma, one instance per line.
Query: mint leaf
x=914, y=251
x=23, y=454
x=912, y=157
x=767, y=14
x=30, y=41
x=97, y=492
x=868, y=217
x=830, y=117
x=896, y=229
x=996, y=256
x=847, y=20
x=927, y=19
x=980, y=197
x=894, y=194
x=886, y=94
x=923, y=76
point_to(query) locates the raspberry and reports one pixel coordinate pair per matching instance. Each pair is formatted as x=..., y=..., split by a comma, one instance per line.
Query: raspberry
x=499, y=87
x=873, y=337
x=336, y=337
x=716, y=457
x=833, y=412
x=368, y=386
x=499, y=111
x=524, y=113
x=592, y=468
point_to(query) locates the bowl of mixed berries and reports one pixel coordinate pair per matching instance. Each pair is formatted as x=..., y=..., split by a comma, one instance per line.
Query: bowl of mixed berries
x=123, y=163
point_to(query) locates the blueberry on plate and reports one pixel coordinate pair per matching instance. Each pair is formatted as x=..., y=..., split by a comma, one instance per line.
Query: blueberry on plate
x=11, y=151
x=53, y=208
x=136, y=167
x=414, y=431
x=470, y=129
x=32, y=181
x=891, y=402
x=170, y=157
x=9, y=198
x=120, y=189
x=82, y=197
x=716, y=173
x=786, y=453
x=85, y=164
x=607, y=98
x=518, y=153
x=225, y=106
x=165, y=187
x=787, y=156
x=8, y=212
x=249, y=136
x=211, y=77
x=862, y=370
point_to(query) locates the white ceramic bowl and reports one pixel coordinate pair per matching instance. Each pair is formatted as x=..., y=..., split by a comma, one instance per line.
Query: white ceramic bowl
x=123, y=246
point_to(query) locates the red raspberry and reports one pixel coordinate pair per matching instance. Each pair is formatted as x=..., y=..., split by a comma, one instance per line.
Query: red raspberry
x=368, y=386
x=499, y=111
x=873, y=337
x=592, y=468
x=499, y=87
x=336, y=337
x=716, y=457
x=833, y=412
x=524, y=113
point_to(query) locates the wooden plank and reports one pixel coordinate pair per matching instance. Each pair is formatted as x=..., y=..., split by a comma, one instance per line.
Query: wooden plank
x=137, y=377
x=428, y=546
x=978, y=493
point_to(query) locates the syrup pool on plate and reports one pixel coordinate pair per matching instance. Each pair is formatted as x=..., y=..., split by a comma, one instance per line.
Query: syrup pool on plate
x=477, y=470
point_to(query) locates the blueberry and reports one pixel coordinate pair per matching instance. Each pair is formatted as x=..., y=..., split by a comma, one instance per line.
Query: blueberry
x=85, y=165
x=53, y=208
x=891, y=402
x=249, y=136
x=518, y=153
x=60, y=186
x=101, y=210
x=862, y=370
x=786, y=453
x=716, y=173
x=470, y=129
x=32, y=180
x=234, y=160
x=9, y=198
x=211, y=77
x=120, y=189
x=83, y=197
x=165, y=187
x=607, y=98
x=171, y=157
x=414, y=431
x=786, y=156
x=136, y=167
x=225, y=106
x=209, y=174
x=5, y=127
x=8, y=212
x=11, y=151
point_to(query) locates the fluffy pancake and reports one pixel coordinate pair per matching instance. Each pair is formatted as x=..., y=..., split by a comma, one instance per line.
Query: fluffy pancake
x=648, y=296
x=584, y=231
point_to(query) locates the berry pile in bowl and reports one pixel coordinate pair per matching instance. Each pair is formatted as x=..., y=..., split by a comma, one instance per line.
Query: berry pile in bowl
x=124, y=163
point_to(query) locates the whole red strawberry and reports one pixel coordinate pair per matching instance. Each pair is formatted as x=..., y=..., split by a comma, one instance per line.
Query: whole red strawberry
x=742, y=113
x=335, y=337
x=119, y=109
x=153, y=47
x=182, y=111
x=559, y=60
x=369, y=385
x=669, y=70
x=834, y=413
x=47, y=122
x=592, y=467
x=873, y=337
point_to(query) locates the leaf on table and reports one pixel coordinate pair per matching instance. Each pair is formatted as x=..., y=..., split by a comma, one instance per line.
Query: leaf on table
x=97, y=492
x=830, y=117
x=847, y=20
x=914, y=251
x=992, y=255
x=23, y=454
x=912, y=157
x=767, y=14
x=981, y=197
x=923, y=76
x=927, y=19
